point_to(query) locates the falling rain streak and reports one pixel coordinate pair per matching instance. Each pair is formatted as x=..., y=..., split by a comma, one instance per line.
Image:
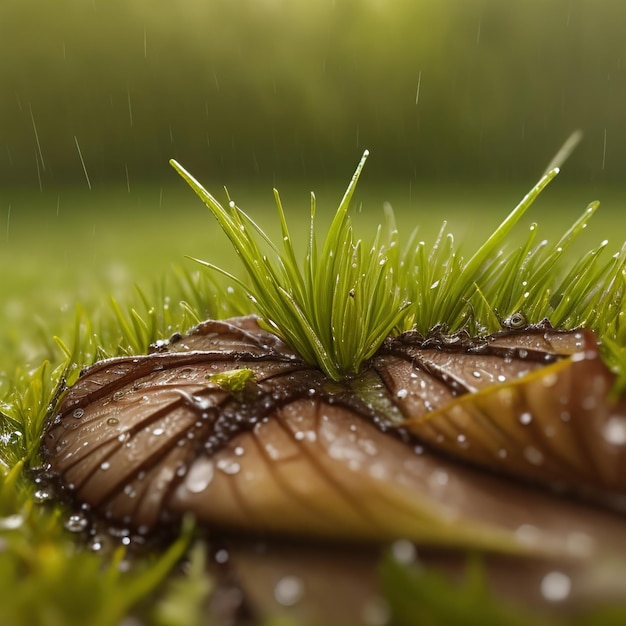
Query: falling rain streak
x=419, y=84
x=32, y=119
x=80, y=155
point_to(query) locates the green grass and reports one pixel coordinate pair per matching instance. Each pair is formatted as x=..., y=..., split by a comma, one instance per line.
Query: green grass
x=52, y=262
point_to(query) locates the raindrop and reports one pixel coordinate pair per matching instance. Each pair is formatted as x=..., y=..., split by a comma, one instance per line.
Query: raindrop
x=228, y=466
x=556, y=586
x=42, y=495
x=11, y=522
x=439, y=478
x=525, y=418
x=221, y=556
x=550, y=380
x=288, y=590
x=200, y=475
x=376, y=612
x=76, y=523
x=533, y=456
x=527, y=534
x=404, y=551
x=614, y=430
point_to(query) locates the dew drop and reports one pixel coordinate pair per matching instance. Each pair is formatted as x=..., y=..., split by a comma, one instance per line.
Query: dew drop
x=614, y=430
x=76, y=523
x=228, y=466
x=221, y=556
x=239, y=451
x=78, y=413
x=402, y=393
x=288, y=591
x=404, y=551
x=199, y=475
x=105, y=465
x=112, y=421
x=11, y=522
x=526, y=418
x=438, y=479
x=118, y=395
x=42, y=495
x=556, y=586
x=158, y=431
x=550, y=380
x=376, y=612
x=533, y=456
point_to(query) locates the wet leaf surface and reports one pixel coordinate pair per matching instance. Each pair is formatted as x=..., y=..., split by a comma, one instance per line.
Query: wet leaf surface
x=229, y=424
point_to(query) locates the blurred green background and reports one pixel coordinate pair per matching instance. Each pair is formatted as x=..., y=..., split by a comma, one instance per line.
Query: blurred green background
x=277, y=89
x=462, y=104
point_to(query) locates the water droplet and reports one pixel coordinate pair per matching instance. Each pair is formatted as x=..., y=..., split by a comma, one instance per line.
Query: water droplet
x=376, y=612
x=78, y=413
x=200, y=475
x=129, y=491
x=404, y=551
x=527, y=534
x=42, y=495
x=550, y=380
x=439, y=478
x=368, y=446
x=11, y=522
x=118, y=395
x=614, y=430
x=526, y=418
x=288, y=590
x=76, y=523
x=158, y=431
x=402, y=393
x=112, y=421
x=476, y=374
x=123, y=437
x=105, y=465
x=556, y=586
x=239, y=451
x=221, y=556
x=522, y=354
x=228, y=466
x=533, y=456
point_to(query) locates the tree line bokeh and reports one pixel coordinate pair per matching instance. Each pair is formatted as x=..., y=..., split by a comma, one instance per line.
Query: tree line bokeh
x=436, y=89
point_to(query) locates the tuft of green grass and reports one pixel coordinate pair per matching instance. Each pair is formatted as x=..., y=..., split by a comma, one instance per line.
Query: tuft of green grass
x=337, y=304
